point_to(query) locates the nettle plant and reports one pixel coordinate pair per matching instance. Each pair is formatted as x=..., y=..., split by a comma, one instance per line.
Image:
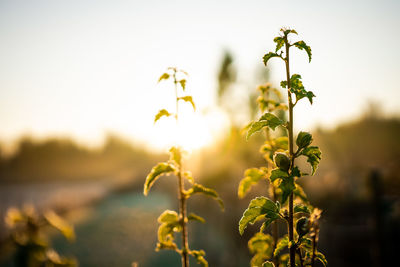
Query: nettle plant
x=170, y=221
x=289, y=203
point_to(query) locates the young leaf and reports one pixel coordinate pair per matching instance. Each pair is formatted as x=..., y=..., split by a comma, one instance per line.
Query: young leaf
x=282, y=244
x=279, y=42
x=59, y=223
x=199, y=256
x=314, y=156
x=303, y=140
x=164, y=76
x=301, y=208
x=162, y=112
x=269, y=56
x=266, y=120
x=252, y=176
x=261, y=243
x=194, y=217
x=321, y=258
x=183, y=84
x=198, y=188
x=287, y=186
x=169, y=223
x=156, y=171
x=259, y=208
x=188, y=99
x=268, y=264
x=278, y=173
x=302, y=45
x=176, y=155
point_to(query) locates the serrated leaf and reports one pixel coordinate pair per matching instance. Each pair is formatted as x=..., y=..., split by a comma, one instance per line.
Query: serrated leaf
x=59, y=223
x=199, y=256
x=297, y=87
x=162, y=112
x=302, y=45
x=268, y=57
x=310, y=96
x=313, y=155
x=321, y=258
x=155, y=173
x=198, y=188
x=183, y=84
x=282, y=244
x=266, y=120
x=304, y=139
x=164, y=76
x=259, y=208
x=252, y=176
x=268, y=264
x=301, y=208
x=279, y=43
x=188, y=99
x=176, y=155
x=278, y=173
x=194, y=217
x=283, y=84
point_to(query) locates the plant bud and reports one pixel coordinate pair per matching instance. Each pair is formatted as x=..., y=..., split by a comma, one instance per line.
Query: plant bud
x=303, y=226
x=282, y=161
x=304, y=139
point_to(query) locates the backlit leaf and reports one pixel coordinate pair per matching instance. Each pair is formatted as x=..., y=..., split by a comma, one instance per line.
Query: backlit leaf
x=266, y=120
x=314, y=156
x=194, y=217
x=321, y=258
x=176, y=155
x=287, y=186
x=301, y=208
x=164, y=76
x=155, y=173
x=252, y=176
x=198, y=188
x=282, y=244
x=279, y=43
x=169, y=224
x=302, y=45
x=183, y=84
x=199, y=256
x=278, y=173
x=59, y=223
x=268, y=264
x=268, y=57
x=162, y=112
x=259, y=208
x=188, y=99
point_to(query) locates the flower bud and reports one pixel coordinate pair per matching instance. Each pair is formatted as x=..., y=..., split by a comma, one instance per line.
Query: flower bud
x=282, y=161
x=304, y=139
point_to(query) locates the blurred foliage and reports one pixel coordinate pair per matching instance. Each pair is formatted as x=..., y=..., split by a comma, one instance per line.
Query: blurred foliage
x=27, y=233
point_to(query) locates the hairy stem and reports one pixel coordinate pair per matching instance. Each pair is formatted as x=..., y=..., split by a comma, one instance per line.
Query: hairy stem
x=292, y=249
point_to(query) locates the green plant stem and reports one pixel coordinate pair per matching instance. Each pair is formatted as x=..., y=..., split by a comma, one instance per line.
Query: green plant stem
x=183, y=217
x=314, y=242
x=182, y=198
x=300, y=256
x=292, y=249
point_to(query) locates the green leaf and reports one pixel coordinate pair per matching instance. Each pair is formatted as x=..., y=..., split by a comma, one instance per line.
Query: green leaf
x=269, y=56
x=59, y=223
x=282, y=161
x=155, y=173
x=188, y=99
x=259, y=208
x=283, y=84
x=194, y=217
x=169, y=223
x=199, y=256
x=282, y=244
x=321, y=258
x=183, y=84
x=279, y=42
x=164, y=76
x=310, y=96
x=301, y=208
x=268, y=264
x=299, y=192
x=287, y=186
x=278, y=173
x=297, y=87
x=266, y=120
x=162, y=112
x=303, y=140
x=302, y=226
x=176, y=155
x=261, y=243
x=302, y=45
x=252, y=176
x=314, y=156
x=198, y=188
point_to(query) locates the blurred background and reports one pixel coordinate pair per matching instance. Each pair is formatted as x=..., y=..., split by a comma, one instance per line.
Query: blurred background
x=78, y=95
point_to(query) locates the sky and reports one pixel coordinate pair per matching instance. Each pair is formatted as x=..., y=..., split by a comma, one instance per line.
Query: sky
x=84, y=69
